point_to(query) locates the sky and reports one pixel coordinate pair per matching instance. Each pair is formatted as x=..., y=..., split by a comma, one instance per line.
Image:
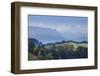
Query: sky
x=68, y=27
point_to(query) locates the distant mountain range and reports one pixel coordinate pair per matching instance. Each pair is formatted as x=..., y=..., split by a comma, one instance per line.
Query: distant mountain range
x=78, y=42
x=48, y=36
x=44, y=35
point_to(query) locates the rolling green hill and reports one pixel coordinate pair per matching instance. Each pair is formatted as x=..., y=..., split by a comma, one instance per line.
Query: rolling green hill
x=58, y=50
x=75, y=44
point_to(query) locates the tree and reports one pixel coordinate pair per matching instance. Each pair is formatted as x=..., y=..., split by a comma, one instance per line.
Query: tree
x=82, y=52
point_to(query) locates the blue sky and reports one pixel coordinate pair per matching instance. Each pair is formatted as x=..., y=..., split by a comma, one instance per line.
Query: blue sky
x=69, y=27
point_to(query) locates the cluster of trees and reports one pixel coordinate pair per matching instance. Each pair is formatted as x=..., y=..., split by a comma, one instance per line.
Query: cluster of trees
x=58, y=52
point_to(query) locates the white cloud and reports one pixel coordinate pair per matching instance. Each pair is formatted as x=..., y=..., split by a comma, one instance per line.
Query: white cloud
x=72, y=29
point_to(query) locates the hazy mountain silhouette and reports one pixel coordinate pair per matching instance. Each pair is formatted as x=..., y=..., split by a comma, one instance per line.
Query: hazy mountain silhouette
x=44, y=35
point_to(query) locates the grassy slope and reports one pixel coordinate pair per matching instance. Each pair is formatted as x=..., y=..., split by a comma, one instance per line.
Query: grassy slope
x=71, y=43
x=76, y=45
